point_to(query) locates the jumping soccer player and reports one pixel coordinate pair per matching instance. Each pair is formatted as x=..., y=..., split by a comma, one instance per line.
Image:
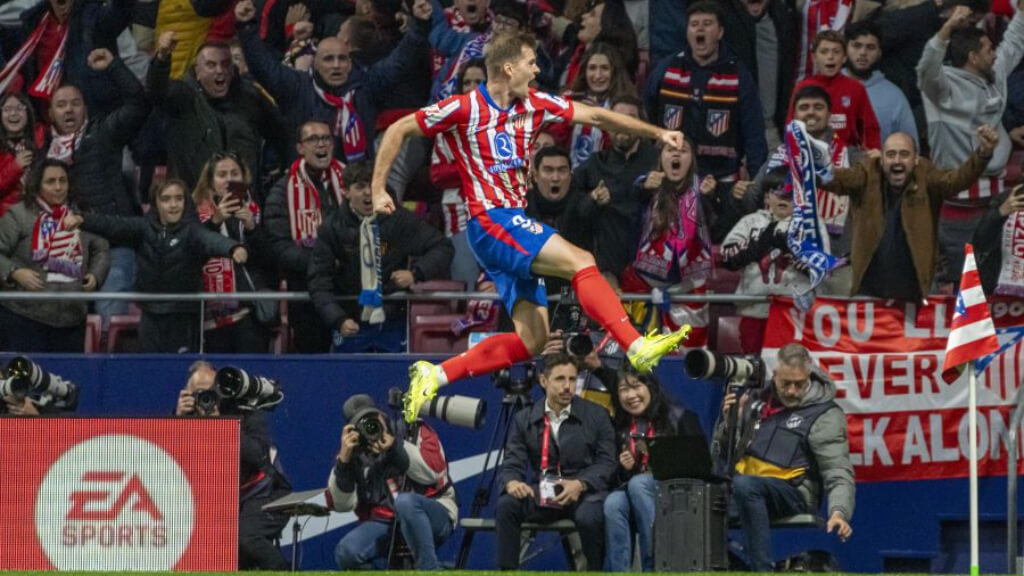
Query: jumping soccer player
x=490, y=130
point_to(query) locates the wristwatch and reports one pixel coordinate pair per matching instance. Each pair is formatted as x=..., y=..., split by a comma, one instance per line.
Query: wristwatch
x=9, y=277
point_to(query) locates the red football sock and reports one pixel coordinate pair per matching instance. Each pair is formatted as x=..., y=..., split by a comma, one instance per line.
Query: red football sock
x=492, y=354
x=601, y=303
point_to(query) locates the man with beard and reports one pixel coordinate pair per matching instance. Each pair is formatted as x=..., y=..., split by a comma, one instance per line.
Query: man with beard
x=863, y=51
x=340, y=91
x=604, y=211
x=710, y=95
x=894, y=202
x=957, y=100
x=209, y=110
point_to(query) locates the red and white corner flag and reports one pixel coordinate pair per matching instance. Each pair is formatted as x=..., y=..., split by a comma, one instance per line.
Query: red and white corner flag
x=972, y=334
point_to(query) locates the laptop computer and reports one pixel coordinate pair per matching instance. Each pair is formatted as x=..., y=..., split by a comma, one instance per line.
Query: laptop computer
x=306, y=503
x=674, y=457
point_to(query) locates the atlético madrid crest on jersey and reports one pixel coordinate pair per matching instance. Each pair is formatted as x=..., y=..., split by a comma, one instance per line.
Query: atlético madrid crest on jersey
x=672, y=118
x=718, y=122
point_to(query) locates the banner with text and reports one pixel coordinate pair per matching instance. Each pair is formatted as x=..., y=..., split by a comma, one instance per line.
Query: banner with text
x=119, y=494
x=905, y=423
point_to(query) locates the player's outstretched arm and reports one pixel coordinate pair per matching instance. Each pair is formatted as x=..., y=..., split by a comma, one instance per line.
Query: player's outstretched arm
x=390, y=144
x=615, y=122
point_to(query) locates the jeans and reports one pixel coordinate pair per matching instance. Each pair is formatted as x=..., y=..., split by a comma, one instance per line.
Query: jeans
x=424, y=524
x=389, y=338
x=121, y=278
x=755, y=501
x=624, y=511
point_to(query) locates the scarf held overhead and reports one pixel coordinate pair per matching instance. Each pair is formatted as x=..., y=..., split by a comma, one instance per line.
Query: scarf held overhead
x=50, y=78
x=808, y=241
x=305, y=210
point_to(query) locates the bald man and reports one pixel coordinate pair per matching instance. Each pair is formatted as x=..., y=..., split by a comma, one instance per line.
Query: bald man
x=895, y=200
x=342, y=91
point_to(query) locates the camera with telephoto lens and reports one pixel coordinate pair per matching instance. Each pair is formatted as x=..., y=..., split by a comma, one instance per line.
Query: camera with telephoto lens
x=747, y=371
x=238, y=389
x=575, y=335
x=25, y=379
x=370, y=426
x=456, y=410
x=207, y=401
x=503, y=380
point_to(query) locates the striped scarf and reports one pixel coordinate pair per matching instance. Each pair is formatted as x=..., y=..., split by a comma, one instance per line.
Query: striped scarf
x=305, y=212
x=347, y=123
x=1011, y=275
x=820, y=15
x=58, y=249
x=50, y=78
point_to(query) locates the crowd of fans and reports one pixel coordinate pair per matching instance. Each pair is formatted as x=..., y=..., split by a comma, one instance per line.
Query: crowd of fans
x=225, y=147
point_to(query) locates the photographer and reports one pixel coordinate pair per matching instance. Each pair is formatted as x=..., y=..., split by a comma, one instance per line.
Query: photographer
x=569, y=443
x=261, y=478
x=382, y=480
x=27, y=389
x=773, y=478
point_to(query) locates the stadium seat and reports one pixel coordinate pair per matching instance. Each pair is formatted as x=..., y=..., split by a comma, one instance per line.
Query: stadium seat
x=123, y=332
x=430, y=321
x=727, y=337
x=571, y=543
x=93, y=333
x=722, y=281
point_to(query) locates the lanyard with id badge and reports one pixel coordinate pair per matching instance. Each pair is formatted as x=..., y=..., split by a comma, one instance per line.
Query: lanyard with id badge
x=550, y=484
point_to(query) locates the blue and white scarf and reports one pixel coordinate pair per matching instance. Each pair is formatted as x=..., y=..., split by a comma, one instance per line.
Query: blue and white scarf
x=810, y=161
x=371, y=296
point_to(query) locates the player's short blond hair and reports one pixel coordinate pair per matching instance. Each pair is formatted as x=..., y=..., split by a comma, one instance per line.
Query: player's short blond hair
x=505, y=48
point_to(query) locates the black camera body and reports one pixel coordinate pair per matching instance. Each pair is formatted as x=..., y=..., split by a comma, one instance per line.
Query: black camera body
x=503, y=380
x=26, y=379
x=370, y=424
x=575, y=334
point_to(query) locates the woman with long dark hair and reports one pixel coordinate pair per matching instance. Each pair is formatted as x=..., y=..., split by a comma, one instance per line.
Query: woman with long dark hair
x=38, y=253
x=602, y=77
x=674, y=254
x=20, y=139
x=642, y=411
x=603, y=21
x=226, y=206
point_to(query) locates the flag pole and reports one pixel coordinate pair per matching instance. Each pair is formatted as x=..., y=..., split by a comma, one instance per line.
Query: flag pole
x=972, y=457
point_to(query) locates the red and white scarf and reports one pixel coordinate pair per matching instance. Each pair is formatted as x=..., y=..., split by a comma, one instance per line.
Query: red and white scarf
x=59, y=249
x=62, y=146
x=682, y=254
x=820, y=15
x=219, y=272
x=305, y=213
x=347, y=123
x=1011, y=275
x=50, y=78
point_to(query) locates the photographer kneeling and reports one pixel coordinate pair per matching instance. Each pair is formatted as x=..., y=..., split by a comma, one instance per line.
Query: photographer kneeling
x=262, y=481
x=793, y=443
x=382, y=480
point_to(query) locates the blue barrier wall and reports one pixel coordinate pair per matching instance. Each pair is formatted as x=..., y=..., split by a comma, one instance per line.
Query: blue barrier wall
x=923, y=523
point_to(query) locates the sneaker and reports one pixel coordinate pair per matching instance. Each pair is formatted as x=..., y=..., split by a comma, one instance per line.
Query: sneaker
x=654, y=346
x=422, y=388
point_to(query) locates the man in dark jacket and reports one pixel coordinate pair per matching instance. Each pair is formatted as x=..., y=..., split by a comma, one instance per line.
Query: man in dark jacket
x=93, y=146
x=260, y=475
x=569, y=444
x=604, y=211
x=764, y=35
x=210, y=110
x=997, y=246
x=308, y=194
x=344, y=96
x=335, y=267
x=708, y=93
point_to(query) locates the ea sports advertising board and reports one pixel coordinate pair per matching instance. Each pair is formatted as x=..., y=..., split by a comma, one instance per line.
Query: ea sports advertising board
x=118, y=494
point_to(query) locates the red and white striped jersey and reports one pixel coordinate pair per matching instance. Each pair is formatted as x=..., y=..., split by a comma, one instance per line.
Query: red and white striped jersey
x=491, y=145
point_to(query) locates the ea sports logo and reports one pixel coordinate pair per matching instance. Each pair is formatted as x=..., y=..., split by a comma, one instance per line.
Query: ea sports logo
x=114, y=502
